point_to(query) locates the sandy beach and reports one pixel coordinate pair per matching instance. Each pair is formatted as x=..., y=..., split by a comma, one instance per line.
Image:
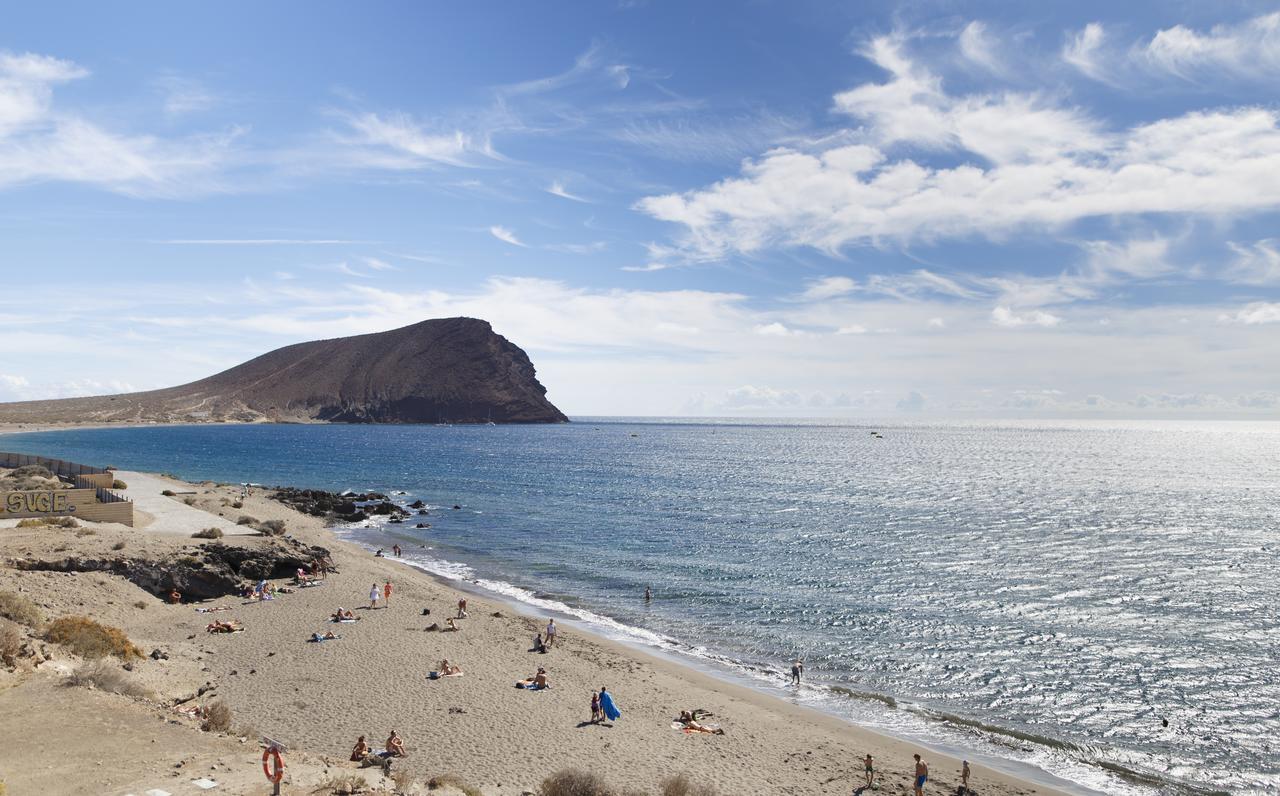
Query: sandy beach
x=316, y=698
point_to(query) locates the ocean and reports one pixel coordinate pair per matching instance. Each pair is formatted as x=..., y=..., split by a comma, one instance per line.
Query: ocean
x=1095, y=600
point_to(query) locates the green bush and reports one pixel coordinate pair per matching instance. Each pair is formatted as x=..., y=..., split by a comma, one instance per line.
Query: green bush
x=118, y=484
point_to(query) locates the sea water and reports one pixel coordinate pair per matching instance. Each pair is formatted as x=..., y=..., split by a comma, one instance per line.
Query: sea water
x=1097, y=600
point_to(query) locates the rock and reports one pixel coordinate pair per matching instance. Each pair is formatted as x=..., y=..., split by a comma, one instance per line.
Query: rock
x=423, y=513
x=159, y=655
x=417, y=504
x=217, y=571
x=423, y=525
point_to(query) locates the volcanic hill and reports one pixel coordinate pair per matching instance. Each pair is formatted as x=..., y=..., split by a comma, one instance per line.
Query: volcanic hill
x=451, y=370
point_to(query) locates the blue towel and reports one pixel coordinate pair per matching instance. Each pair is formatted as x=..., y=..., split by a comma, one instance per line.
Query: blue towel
x=611, y=711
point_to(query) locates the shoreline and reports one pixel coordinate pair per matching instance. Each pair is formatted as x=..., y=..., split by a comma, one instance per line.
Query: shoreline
x=717, y=677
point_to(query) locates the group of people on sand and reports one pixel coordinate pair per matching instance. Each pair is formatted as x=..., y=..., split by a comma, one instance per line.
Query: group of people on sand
x=602, y=706
x=383, y=594
x=920, y=776
x=363, y=754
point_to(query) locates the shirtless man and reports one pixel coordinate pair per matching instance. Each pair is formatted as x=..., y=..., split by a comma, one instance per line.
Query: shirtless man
x=869, y=768
x=797, y=671
x=964, y=775
x=361, y=749
x=922, y=775
x=395, y=746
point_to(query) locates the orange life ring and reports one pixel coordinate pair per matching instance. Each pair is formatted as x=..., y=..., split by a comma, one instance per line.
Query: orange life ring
x=276, y=772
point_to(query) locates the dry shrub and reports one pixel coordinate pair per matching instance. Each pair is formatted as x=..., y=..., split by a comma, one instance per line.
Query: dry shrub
x=574, y=782
x=452, y=781
x=680, y=785
x=140, y=605
x=49, y=522
x=33, y=522
x=245, y=519
x=108, y=677
x=10, y=642
x=118, y=545
x=84, y=531
x=208, y=533
x=31, y=471
x=217, y=717
x=190, y=501
x=88, y=639
x=403, y=780
x=167, y=492
x=118, y=484
x=343, y=784
x=272, y=528
x=19, y=609
x=237, y=505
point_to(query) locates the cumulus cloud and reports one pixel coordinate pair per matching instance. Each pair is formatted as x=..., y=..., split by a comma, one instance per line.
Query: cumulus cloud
x=1024, y=163
x=1003, y=316
x=1258, y=312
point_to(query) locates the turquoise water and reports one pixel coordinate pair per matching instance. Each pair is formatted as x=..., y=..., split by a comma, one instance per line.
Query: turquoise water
x=1072, y=597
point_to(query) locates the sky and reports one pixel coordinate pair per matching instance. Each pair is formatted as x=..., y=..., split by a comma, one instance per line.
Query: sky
x=916, y=209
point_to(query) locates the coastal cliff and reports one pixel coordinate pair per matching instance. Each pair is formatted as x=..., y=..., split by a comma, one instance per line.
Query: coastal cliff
x=455, y=370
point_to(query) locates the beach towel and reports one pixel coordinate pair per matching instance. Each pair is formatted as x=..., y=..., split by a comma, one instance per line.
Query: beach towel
x=611, y=711
x=316, y=637
x=344, y=621
x=213, y=610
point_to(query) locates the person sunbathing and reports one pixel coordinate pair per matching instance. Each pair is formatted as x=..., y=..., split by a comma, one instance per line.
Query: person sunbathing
x=448, y=669
x=328, y=636
x=222, y=627
x=449, y=626
x=540, y=679
x=690, y=723
x=395, y=746
x=361, y=749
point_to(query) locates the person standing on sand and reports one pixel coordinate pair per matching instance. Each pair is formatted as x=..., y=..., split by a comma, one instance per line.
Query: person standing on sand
x=869, y=769
x=374, y=594
x=595, y=707
x=964, y=775
x=608, y=710
x=922, y=775
x=551, y=633
x=386, y=594
x=462, y=608
x=797, y=670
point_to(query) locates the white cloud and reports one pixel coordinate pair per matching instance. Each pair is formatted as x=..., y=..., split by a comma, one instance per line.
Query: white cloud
x=595, y=247
x=505, y=235
x=852, y=329
x=1084, y=50
x=750, y=397
x=646, y=268
x=1046, y=167
x=557, y=188
x=1256, y=264
x=828, y=287
x=1003, y=316
x=398, y=142
x=40, y=143
x=183, y=96
x=377, y=265
x=979, y=47
x=1255, y=313
x=1250, y=49
x=774, y=329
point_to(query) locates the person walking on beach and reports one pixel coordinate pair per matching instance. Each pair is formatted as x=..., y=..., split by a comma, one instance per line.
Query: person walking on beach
x=964, y=776
x=797, y=670
x=374, y=594
x=462, y=608
x=869, y=769
x=922, y=775
x=551, y=633
x=386, y=594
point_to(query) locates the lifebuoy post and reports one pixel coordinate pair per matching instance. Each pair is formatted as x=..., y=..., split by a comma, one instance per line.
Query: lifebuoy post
x=273, y=767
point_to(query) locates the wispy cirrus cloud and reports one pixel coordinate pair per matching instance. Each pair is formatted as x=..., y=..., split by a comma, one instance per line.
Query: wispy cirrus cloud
x=506, y=236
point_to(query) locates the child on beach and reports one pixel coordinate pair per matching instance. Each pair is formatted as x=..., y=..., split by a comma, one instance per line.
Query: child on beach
x=386, y=594
x=596, y=715
x=374, y=594
x=462, y=608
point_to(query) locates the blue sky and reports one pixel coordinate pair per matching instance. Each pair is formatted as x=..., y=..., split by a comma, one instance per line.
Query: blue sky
x=768, y=208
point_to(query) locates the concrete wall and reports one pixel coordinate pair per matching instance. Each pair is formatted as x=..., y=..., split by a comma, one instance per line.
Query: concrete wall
x=80, y=503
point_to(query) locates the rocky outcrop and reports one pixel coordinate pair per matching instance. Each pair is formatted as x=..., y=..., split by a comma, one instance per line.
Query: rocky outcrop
x=452, y=370
x=212, y=570
x=336, y=507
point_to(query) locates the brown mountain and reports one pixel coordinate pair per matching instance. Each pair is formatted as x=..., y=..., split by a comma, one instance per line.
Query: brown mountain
x=455, y=370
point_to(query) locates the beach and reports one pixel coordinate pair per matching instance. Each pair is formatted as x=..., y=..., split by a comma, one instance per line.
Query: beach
x=316, y=698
